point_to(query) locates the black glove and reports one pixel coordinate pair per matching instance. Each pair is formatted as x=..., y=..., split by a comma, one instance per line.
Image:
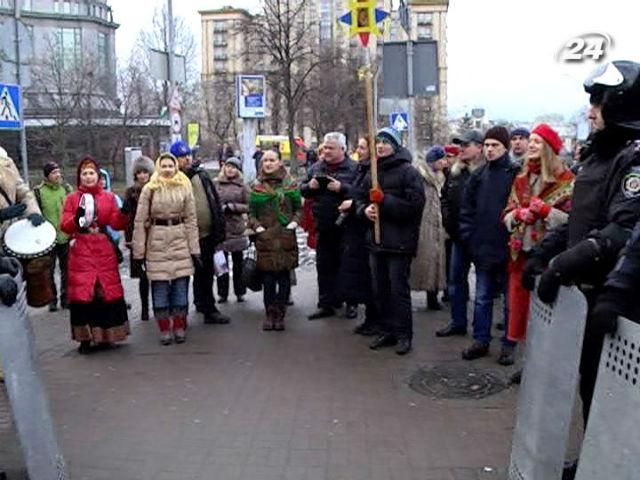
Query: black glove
x=9, y=265
x=36, y=219
x=79, y=214
x=8, y=290
x=532, y=268
x=576, y=262
x=12, y=211
x=197, y=262
x=138, y=263
x=610, y=304
x=549, y=285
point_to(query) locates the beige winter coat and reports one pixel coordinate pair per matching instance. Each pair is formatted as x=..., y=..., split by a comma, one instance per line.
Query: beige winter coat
x=429, y=265
x=167, y=249
x=16, y=189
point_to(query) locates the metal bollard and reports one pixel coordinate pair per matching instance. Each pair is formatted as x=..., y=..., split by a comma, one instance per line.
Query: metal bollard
x=27, y=393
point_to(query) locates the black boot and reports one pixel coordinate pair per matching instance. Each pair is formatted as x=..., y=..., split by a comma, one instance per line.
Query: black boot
x=432, y=301
x=384, y=340
x=404, y=346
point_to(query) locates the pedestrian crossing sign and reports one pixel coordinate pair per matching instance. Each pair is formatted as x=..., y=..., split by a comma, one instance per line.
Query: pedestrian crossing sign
x=399, y=121
x=10, y=115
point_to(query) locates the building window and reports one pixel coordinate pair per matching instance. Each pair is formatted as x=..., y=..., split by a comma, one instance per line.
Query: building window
x=69, y=44
x=425, y=32
x=103, y=52
x=425, y=18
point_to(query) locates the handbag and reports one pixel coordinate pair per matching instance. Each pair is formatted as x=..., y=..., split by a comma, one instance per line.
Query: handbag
x=251, y=277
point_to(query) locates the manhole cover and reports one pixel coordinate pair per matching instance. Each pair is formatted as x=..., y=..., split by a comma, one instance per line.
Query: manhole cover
x=456, y=381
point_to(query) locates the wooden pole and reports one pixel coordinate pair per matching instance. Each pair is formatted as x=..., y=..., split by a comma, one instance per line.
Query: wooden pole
x=371, y=122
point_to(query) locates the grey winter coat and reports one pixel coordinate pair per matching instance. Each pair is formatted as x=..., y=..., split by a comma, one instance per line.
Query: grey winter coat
x=234, y=199
x=428, y=268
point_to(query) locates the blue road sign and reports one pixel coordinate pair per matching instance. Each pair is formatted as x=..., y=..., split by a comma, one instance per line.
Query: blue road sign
x=399, y=121
x=10, y=113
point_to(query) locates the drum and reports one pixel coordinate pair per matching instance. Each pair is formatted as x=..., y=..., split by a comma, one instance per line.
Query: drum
x=32, y=245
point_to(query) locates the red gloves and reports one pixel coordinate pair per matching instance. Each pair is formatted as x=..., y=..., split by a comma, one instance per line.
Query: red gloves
x=524, y=215
x=376, y=195
x=540, y=208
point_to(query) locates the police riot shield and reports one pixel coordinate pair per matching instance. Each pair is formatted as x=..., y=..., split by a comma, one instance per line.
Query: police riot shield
x=548, y=388
x=27, y=393
x=611, y=445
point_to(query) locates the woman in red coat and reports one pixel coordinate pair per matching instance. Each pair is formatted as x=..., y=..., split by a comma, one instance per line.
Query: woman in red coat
x=540, y=200
x=96, y=297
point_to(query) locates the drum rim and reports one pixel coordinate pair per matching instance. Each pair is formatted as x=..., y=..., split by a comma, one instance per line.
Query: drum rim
x=11, y=252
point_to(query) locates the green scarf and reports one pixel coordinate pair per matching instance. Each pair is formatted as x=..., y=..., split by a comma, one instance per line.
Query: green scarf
x=264, y=194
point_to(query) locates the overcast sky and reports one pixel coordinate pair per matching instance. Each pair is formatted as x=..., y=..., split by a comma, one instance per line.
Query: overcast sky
x=502, y=54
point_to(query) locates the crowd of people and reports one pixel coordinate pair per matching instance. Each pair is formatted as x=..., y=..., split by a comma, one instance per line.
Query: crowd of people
x=502, y=202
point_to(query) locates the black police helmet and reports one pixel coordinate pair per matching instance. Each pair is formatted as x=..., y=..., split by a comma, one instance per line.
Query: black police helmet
x=615, y=87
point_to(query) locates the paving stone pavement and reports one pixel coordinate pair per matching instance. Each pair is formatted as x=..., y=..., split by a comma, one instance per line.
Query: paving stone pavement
x=236, y=403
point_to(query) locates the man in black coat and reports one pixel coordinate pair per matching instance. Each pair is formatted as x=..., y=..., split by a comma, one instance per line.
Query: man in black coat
x=328, y=184
x=484, y=236
x=398, y=204
x=605, y=209
x=211, y=228
x=451, y=200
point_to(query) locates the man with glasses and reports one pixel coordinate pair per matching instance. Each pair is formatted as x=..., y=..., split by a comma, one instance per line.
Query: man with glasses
x=484, y=237
x=397, y=205
x=470, y=159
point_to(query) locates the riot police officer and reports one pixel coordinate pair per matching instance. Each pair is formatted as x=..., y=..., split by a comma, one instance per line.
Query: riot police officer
x=605, y=207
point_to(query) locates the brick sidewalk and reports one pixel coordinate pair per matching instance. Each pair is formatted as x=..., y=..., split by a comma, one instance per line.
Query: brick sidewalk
x=237, y=403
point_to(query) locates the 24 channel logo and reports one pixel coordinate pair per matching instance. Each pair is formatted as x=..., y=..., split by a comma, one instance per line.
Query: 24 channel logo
x=594, y=46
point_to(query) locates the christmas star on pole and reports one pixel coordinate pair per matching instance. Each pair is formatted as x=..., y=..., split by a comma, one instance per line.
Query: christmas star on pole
x=363, y=18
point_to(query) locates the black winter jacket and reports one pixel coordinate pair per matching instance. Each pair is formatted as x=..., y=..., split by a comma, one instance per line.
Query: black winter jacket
x=451, y=199
x=217, y=217
x=402, y=205
x=481, y=228
x=325, y=202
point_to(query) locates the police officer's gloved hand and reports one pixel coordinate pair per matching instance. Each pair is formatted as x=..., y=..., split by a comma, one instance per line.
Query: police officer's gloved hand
x=12, y=211
x=8, y=290
x=532, y=268
x=609, y=305
x=36, y=219
x=549, y=285
x=9, y=265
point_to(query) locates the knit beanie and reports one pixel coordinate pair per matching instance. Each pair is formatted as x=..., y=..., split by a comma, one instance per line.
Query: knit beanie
x=392, y=135
x=550, y=136
x=435, y=153
x=235, y=161
x=520, y=132
x=49, y=167
x=500, y=134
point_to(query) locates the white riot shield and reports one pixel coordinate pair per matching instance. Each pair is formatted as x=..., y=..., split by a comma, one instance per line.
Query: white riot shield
x=547, y=391
x=27, y=393
x=611, y=445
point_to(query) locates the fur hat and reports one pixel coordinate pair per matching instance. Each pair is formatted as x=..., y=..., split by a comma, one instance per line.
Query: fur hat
x=143, y=164
x=500, y=134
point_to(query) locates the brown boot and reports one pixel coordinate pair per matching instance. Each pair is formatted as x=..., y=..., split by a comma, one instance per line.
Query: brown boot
x=278, y=323
x=269, y=319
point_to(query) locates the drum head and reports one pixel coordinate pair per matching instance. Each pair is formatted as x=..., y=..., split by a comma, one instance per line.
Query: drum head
x=24, y=240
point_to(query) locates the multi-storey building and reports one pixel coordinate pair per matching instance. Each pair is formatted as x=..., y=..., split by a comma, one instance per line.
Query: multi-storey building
x=71, y=33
